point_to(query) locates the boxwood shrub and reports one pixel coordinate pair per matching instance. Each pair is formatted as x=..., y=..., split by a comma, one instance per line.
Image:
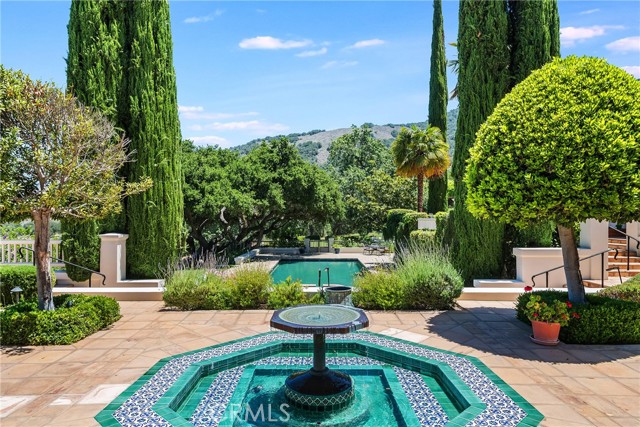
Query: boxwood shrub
x=75, y=317
x=378, y=291
x=628, y=291
x=602, y=320
x=23, y=276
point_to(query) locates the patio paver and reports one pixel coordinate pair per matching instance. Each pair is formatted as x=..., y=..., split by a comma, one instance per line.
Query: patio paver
x=572, y=385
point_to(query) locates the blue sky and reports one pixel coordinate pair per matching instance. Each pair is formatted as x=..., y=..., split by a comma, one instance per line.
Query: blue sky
x=252, y=69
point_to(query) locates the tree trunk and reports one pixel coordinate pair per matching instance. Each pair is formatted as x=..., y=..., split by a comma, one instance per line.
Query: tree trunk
x=420, y=191
x=43, y=262
x=571, y=265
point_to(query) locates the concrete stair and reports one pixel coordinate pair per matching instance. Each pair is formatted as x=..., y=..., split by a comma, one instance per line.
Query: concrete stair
x=621, y=262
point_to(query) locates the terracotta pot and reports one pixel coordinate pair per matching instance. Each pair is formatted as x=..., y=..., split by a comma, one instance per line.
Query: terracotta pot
x=545, y=333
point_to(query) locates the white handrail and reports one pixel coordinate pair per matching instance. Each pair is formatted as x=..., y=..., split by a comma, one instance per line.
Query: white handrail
x=9, y=251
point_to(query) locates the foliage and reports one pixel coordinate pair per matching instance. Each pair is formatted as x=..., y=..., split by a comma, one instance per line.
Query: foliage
x=549, y=146
x=378, y=291
x=359, y=149
x=601, y=320
x=423, y=238
x=430, y=280
x=628, y=291
x=438, y=97
x=232, y=201
x=555, y=312
x=59, y=159
x=286, y=294
x=155, y=217
x=422, y=154
x=443, y=230
x=77, y=317
x=81, y=245
x=529, y=165
x=17, y=231
x=250, y=284
x=483, y=77
x=309, y=150
x=23, y=276
x=394, y=219
x=400, y=223
x=197, y=290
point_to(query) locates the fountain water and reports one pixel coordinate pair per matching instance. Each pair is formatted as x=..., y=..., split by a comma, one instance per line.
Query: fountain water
x=319, y=388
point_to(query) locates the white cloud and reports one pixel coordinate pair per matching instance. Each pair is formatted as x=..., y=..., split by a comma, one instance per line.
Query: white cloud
x=339, y=64
x=271, y=43
x=206, y=18
x=256, y=126
x=570, y=35
x=627, y=44
x=198, y=113
x=589, y=12
x=310, y=53
x=634, y=70
x=366, y=43
x=210, y=140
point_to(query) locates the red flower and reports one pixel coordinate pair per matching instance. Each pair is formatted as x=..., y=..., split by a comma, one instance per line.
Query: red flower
x=569, y=304
x=575, y=315
x=528, y=288
x=535, y=314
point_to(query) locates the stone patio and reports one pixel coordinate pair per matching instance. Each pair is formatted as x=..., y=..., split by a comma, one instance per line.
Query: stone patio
x=571, y=385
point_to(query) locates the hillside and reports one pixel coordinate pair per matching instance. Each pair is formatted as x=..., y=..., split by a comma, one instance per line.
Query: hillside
x=314, y=145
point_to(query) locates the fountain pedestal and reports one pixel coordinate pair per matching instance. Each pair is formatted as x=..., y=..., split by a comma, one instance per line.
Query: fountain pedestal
x=319, y=388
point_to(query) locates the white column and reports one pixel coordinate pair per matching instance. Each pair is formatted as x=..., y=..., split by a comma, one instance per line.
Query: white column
x=633, y=230
x=113, y=257
x=594, y=235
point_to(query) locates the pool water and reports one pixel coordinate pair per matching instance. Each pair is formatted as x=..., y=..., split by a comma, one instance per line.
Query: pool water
x=341, y=272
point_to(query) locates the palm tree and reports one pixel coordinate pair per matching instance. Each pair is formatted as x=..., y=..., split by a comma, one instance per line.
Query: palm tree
x=420, y=153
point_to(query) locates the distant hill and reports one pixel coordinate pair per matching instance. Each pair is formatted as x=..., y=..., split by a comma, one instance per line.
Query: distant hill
x=314, y=145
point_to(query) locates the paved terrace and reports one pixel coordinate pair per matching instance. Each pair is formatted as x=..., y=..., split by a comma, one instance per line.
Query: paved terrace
x=571, y=385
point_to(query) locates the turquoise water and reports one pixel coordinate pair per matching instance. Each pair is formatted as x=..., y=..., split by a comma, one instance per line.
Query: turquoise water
x=341, y=272
x=374, y=405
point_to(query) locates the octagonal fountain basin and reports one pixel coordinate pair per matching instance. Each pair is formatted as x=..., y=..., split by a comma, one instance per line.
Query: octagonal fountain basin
x=395, y=383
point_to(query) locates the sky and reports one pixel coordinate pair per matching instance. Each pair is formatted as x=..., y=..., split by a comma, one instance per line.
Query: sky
x=247, y=70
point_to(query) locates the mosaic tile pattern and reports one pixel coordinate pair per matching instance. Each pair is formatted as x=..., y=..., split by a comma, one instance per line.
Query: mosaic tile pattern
x=501, y=410
x=212, y=406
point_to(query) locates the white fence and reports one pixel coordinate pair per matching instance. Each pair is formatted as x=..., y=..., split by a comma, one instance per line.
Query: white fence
x=9, y=252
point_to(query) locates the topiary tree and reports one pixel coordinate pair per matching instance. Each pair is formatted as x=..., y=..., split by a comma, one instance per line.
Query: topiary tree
x=59, y=160
x=563, y=145
x=420, y=153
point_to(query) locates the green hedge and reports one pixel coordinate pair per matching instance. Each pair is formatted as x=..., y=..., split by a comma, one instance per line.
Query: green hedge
x=628, y=291
x=23, y=276
x=423, y=237
x=75, y=317
x=286, y=294
x=378, y=291
x=394, y=218
x=601, y=320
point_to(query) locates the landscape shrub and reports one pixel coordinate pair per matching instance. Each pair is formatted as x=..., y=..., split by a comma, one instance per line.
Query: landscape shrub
x=250, y=285
x=430, y=281
x=443, y=231
x=378, y=291
x=75, y=317
x=286, y=294
x=602, y=320
x=422, y=237
x=628, y=291
x=408, y=223
x=349, y=240
x=23, y=276
x=197, y=290
x=394, y=218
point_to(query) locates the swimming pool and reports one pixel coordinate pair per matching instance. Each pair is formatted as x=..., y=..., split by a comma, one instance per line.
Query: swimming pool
x=341, y=272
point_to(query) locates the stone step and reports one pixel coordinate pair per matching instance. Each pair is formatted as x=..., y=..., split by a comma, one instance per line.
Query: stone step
x=499, y=283
x=502, y=294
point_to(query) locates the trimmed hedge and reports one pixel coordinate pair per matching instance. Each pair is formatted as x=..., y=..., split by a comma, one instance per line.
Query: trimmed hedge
x=628, y=291
x=23, y=276
x=378, y=291
x=601, y=320
x=422, y=237
x=75, y=317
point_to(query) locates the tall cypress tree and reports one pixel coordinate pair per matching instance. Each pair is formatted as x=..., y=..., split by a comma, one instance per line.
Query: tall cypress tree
x=438, y=96
x=94, y=76
x=154, y=218
x=483, y=79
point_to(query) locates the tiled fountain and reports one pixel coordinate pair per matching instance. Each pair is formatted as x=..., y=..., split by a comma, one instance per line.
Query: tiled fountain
x=393, y=383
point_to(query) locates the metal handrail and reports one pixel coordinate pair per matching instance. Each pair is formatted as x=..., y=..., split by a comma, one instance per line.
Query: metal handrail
x=546, y=272
x=629, y=237
x=104, y=278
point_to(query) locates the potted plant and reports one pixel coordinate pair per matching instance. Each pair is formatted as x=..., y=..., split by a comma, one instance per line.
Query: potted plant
x=546, y=319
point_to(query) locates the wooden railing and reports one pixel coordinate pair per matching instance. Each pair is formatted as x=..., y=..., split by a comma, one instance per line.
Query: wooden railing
x=9, y=252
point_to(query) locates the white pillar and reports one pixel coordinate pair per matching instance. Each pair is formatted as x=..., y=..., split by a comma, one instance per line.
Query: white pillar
x=633, y=230
x=113, y=257
x=594, y=235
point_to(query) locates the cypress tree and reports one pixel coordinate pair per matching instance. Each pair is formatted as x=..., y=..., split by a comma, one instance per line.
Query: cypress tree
x=438, y=95
x=483, y=79
x=154, y=218
x=94, y=76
